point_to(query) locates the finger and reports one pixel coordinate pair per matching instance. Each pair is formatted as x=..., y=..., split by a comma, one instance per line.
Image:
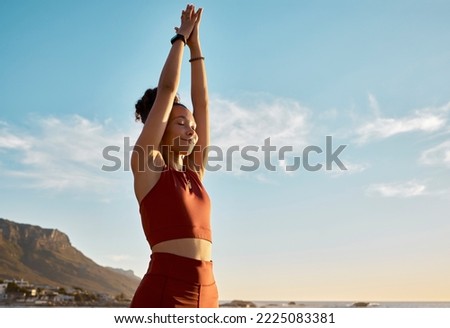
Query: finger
x=199, y=14
x=187, y=14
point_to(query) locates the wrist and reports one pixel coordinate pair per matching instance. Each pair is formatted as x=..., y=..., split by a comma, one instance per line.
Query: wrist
x=184, y=31
x=178, y=37
x=193, y=43
x=194, y=50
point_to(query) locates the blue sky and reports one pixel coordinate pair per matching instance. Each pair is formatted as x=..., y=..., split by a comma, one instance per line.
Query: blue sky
x=374, y=75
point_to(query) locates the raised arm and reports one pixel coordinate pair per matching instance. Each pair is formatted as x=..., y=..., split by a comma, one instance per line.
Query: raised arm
x=199, y=95
x=156, y=122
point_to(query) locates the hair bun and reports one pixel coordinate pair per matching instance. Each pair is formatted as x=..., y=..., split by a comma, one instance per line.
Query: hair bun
x=145, y=104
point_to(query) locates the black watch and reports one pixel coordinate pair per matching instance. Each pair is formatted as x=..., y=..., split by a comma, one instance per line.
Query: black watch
x=178, y=37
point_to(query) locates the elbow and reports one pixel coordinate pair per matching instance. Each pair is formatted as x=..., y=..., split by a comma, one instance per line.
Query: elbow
x=167, y=87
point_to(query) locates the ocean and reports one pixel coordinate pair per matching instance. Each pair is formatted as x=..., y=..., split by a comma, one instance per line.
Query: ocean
x=340, y=304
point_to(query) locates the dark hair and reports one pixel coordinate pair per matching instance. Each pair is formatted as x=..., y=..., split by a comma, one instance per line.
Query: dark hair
x=145, y=104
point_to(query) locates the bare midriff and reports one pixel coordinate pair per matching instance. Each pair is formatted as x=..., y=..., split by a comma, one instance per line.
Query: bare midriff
x=194, y=248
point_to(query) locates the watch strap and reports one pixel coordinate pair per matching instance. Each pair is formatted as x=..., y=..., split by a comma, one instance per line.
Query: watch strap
x=178, y=37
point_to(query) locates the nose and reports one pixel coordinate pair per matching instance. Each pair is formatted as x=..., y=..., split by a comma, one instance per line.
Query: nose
x=190, y=132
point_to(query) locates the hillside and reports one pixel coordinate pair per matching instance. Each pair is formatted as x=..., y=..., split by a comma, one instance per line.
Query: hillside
x=46, y=256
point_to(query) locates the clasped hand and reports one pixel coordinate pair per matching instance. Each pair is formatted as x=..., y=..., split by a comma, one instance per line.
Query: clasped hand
x=190, y=21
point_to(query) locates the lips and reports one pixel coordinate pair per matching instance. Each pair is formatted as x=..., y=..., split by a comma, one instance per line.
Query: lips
x=188, y=140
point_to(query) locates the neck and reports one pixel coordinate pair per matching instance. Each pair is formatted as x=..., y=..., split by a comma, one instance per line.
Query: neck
x=174, y=160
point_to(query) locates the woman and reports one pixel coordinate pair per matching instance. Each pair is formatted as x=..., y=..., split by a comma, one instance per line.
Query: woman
x=168, y=164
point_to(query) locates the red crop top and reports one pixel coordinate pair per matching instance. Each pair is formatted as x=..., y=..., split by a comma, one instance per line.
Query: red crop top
x=176, y=207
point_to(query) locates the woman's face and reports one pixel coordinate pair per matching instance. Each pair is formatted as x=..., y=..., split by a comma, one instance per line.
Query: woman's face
x=180, y=133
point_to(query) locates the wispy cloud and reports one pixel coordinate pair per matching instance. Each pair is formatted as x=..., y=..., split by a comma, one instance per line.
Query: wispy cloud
x=423, y=120
x=437, y=156
x=9, y=140
x=373, y=104
x=399, y=190
x=66, y=153
x=286, y=122
x=352, y=168
x=59, y=153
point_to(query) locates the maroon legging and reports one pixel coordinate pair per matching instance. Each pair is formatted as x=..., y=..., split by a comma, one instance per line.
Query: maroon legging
x=176, y=281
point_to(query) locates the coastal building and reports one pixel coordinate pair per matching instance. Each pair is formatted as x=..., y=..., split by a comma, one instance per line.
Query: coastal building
x=3, y=295
x=20, y=283
x=60, y=298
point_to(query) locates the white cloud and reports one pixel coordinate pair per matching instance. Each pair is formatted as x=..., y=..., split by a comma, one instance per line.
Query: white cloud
x=60, y=153
x=436, y=156
x=399, y=190
x=423, y=120
x=373, y=103
x=352, y=168
x=66, y=153
x=11, y=141
x=284, y=121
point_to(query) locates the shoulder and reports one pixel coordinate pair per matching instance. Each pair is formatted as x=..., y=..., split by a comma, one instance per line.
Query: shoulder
x=147, y=173
x=151, y=162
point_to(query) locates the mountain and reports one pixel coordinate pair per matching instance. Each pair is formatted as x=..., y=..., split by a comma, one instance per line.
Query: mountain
x=46, y=256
